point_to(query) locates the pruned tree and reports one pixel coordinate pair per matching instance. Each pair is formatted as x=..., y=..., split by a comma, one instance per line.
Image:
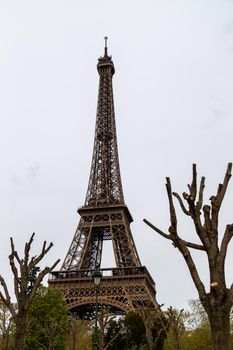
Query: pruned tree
x=27, y=280
x=105, y=318
x=156, y=325
x=218, y=299
x=176, y=326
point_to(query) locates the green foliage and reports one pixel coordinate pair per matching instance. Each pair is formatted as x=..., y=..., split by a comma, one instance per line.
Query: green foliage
x=199, y=339
x=197, y=335
x=80, y=335
x=134, y=330
x=48, y=321
x=32, y=277
x=159, y=330
x=115, y=328
x=132, y=333
x=176, y=319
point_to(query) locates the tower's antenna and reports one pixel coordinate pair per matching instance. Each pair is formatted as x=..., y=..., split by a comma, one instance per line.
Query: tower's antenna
x=106, y=46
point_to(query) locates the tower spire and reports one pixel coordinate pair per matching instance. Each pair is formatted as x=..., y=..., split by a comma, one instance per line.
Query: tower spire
x=105, y=186
x=106, y=46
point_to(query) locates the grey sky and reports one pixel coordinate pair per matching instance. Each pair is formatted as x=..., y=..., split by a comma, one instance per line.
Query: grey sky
x=173, y=100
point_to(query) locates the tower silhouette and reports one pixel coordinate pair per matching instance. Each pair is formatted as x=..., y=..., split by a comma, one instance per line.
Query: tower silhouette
x=104, y=216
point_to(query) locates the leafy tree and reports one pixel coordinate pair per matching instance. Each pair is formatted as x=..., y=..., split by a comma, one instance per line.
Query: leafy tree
x=134, y=330
x=218, y=299
x=196, y=335
x=27, y=280
x=115, y=335
x=48, y=321
x=126, y=333
x=105, y=320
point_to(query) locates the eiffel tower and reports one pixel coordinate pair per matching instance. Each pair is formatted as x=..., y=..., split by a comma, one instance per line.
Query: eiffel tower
x=104, y=216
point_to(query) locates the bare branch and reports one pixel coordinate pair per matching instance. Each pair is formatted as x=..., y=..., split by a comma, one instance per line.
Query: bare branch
x=200, y=229
x=13, y=251
x=216, y=202
x=206, y=210
x=173, y=227
x=192, y=269
x=194, y=209
x=35, y=260
x=27, y=248
x=39, y=279
x=13, y=266
x=7, y=299
x=220, y=186
x=112, y=340
x=228, y=234
x=193, y=189
x=178, y=242
x=181, y=203
x=195, y=215
x=222, y=191
x=55, y=264
x=200, y=196
x=167, y=236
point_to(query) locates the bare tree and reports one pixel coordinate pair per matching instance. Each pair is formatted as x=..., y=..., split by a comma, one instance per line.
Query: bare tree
x=27, y=279
x=156, y=325
x=105, y=317
x=72, y=339
x=176, y=326
x=218, y=300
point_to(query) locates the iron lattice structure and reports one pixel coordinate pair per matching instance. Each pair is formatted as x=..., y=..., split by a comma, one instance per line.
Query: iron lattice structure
x=104, y=216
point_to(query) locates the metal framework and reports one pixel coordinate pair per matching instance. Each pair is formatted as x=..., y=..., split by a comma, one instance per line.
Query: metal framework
x=104, y=216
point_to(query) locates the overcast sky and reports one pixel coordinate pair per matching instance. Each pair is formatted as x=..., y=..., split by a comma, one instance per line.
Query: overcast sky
x=174, y=103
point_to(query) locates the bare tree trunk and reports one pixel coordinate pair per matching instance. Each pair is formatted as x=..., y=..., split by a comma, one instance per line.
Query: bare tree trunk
x=20, y=332
x=73, y=334
x=176, y=326
x=219, y=319
x=6, y=338
x=220, y=330
x=154, y=318
x=5, y=345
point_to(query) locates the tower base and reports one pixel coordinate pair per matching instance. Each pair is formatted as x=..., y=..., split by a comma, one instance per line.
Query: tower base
x=121, y=290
